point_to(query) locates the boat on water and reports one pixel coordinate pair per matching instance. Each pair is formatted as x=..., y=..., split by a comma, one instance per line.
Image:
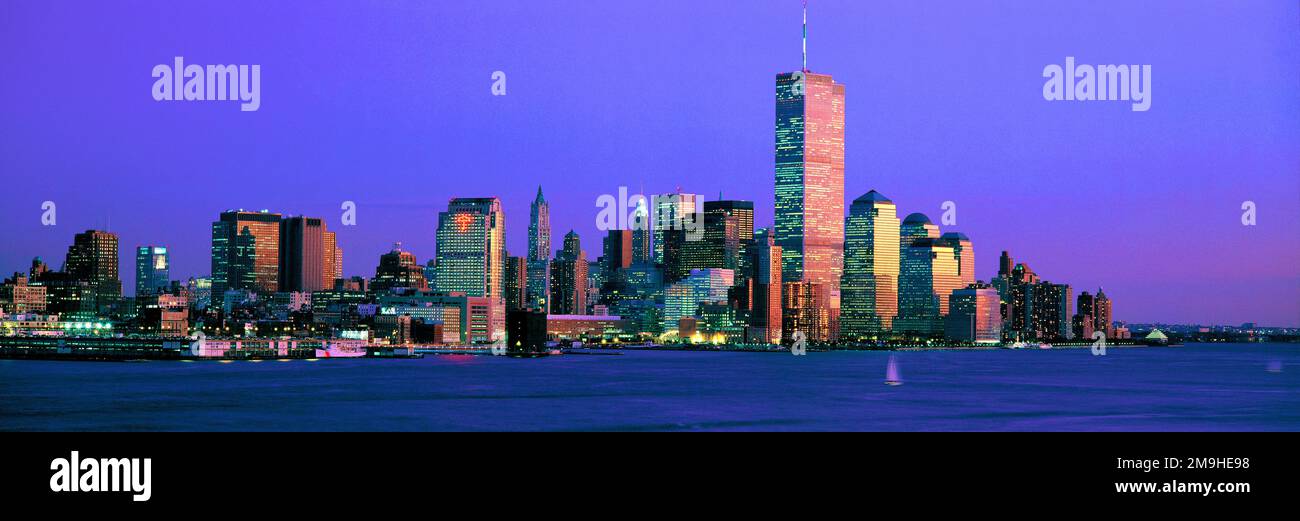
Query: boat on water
x=342, y=351
x=891, y=373
x=1044, y=345
x=1016, y=345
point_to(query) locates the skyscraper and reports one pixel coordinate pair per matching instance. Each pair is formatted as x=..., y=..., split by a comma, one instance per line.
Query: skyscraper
x=1084, y=321
x=804, y=309
x=616, y=251
x=916, y=226
x=246, y=252
x=152, y=271
x=642, y=234
x=399, y=269
x=308, y=259
x=711, y=284
x=539, y=253
x=616, y=259
x=471, y=248
x=333, y=263
x=516, y=284
x=871, y=267
x=92, y=259
x=765, y=307
x=728, y=232
x=675, y=216
x=964, y=252
x=974, y=316
x=810, y=177
x=927, y=278
x=1051, y=311
x=569, y=278
x=1102, y=318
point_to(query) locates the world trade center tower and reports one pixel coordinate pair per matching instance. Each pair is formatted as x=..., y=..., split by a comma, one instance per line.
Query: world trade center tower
x=810, y=178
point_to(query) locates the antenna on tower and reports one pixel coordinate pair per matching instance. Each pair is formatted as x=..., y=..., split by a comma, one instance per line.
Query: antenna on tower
x=805, y=35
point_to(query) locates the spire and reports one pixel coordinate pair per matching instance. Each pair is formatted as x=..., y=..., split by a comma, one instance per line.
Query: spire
x=805, y=35
x=539, y=193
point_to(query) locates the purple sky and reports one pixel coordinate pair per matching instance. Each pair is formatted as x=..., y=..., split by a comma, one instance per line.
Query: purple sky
x=388, y=104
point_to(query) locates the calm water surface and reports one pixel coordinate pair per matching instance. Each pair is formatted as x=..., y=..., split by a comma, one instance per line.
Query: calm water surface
x=1199, y=387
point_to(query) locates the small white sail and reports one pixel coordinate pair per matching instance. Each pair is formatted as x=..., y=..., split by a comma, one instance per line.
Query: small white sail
x=891, y=373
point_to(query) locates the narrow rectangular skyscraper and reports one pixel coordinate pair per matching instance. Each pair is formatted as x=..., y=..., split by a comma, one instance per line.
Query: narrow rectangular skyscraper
x=809, y=221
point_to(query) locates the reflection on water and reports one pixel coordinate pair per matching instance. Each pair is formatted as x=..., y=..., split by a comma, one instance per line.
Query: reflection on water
x=1199, y=387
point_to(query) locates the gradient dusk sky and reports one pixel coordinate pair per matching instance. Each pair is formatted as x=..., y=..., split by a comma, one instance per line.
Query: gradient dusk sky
x=389, y=104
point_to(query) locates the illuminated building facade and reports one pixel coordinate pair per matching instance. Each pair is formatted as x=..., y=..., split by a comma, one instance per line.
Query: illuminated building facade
x=1051, y=311
x=516, y=283
x=964, y=252
x=728, y=232
x=308, y=255
x=539, y=254
x=927, y=277
x=804, y=308
x=809, y=220
x=93, y=259
x=18, y=297
x=765, y=296
x=869, y=289
x=471, y=255
x=1102, y=318
x=671, y=212
x=152, y=272
x=246, y=252
x=974, y=315
x=569, y=278
x=398, y=269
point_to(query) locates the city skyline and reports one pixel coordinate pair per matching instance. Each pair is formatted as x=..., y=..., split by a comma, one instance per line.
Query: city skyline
x=1136, y=246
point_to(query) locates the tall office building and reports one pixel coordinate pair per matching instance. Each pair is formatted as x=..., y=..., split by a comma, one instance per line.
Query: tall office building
x=616, y=252
x=728, y=232
x=974, y=315
x=1102, y=318
x=246, y=252
x=1051, y=310
x=1084, y=321
x=398, y=269
x=672, y=212
x=711, y=284
x=810, y=177
x=679, y=303
x=152, y=270
x=539, y=253
x=916, y=226
x=92, y=259
x=334, y=263
x=471, y=248
x=869, y=289
x=642, y=234
x=1020, y=298
x=569, y=278
x=927, y=277
x=516, y=284
x=804, y=308
x=765, y=296
x=964, y=253
x=308, y=256
x=610, y=279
